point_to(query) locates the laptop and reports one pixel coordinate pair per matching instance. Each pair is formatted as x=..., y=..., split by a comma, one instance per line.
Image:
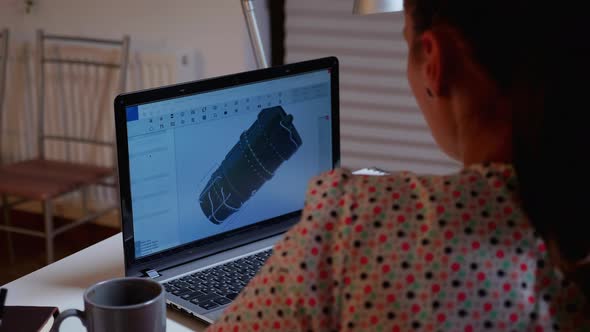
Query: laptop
x=213, y=172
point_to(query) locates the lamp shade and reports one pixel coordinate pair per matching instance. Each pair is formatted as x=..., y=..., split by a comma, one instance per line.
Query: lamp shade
x=365, y=7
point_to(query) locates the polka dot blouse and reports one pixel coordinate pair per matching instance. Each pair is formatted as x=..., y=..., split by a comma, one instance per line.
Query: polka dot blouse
x=406, y=252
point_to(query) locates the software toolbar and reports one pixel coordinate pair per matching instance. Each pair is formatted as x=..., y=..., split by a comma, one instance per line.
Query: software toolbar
x=159, y=119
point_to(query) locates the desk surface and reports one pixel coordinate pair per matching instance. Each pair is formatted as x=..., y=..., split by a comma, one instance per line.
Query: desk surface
x=62, y=284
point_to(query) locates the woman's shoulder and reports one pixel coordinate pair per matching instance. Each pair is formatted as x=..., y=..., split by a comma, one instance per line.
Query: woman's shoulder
x=475, y=182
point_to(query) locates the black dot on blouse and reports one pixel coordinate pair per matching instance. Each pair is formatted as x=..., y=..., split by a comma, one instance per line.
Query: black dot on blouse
x=494, y=241
x=507, y=304
x=401, y=234
x=442, y=223
x=415, y=325
x=395, y=207
x=259, y=314
x=314, y=288
x=488, y=325
x=377, y=224
x=357, y=244
x=425, y=242
x=386, y=284
x=410, y=295
x=319, y=182
x=280, y=313
x=456, y=283
x=571, y=308
x=318, y=238
x=372, y=200
x=391, y=315
x=363, y=276
x=350, y=325
x=435, y=305
x=448, y=250
x=501, y=273
x=462, y=313
x=468, y=230
x=428, y=275
x=482, y=293
x=303, y=265
x=368, y=304
x=405, y=265
x=473, y=266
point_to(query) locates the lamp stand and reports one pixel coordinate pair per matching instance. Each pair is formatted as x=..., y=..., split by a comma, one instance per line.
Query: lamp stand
x=254, y=33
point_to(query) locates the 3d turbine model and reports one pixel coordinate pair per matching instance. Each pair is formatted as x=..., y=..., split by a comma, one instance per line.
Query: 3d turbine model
x=262, y=149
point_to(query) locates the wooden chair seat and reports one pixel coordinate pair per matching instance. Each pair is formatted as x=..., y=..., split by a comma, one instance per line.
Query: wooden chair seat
x=44, y=179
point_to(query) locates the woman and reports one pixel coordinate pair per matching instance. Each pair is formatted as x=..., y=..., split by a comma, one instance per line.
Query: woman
x=500, y=245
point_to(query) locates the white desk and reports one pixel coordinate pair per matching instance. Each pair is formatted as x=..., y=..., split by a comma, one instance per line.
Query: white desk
x=62, y=284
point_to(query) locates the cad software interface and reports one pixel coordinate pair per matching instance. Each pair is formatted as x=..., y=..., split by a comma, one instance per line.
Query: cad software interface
x=209, y=163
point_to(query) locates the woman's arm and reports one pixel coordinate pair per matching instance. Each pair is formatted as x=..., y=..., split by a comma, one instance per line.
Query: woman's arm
x=298, y=289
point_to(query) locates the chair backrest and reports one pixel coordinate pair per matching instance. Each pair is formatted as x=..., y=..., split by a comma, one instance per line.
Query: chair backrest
x=75, y=77
x=4, y=38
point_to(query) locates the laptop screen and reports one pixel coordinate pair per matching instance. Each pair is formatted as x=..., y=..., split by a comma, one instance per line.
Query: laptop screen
x=204, y=164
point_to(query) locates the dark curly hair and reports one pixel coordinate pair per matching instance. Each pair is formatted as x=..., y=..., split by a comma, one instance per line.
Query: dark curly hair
x=539, y=56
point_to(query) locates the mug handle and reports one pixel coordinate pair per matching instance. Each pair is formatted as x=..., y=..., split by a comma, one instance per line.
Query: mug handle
x=68, y=313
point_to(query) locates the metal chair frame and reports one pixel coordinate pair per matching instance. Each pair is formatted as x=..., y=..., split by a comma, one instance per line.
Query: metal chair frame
x=47, y=205
x=4, y=45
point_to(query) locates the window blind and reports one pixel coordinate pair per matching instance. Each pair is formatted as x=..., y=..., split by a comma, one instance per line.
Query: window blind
x=381, y=124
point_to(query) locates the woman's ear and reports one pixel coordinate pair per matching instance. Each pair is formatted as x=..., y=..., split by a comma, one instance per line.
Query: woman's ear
x=432, y=62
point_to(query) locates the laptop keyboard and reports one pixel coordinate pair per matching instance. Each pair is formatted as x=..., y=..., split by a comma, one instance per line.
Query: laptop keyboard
x=218, y=285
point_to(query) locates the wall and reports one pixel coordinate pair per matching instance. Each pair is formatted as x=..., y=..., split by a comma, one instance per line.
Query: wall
x=208, y=36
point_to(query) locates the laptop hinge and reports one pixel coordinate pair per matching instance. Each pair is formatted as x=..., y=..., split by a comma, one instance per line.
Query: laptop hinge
x=152, y=274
